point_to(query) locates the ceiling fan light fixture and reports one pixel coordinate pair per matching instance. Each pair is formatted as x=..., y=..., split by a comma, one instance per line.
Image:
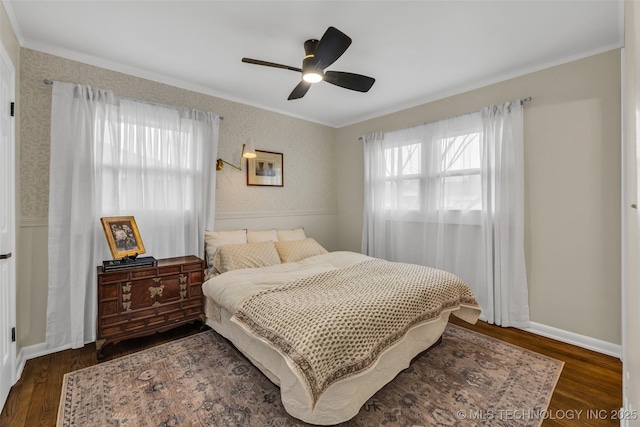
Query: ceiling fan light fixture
x=320, y=54
x=312, y=77
x=310, y=73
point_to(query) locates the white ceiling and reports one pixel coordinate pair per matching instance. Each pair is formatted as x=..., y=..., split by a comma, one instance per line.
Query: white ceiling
x=418, y=51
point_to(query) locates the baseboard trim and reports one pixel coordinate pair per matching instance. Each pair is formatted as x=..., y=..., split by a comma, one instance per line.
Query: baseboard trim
x=33, y=351
x=583, y=341
x=30, y=352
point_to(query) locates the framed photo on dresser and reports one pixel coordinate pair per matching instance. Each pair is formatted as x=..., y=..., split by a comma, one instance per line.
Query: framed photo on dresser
x=122, y=236
x=266, y=169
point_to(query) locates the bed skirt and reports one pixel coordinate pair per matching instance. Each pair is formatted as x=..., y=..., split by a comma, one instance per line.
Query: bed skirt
x=342, y=400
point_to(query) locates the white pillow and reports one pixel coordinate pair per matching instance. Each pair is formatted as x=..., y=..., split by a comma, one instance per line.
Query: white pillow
x=295, y=234
x=215, y=239
x=262, y=236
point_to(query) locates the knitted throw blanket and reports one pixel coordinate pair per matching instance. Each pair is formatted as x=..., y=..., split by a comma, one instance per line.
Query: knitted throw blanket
x=335, y=324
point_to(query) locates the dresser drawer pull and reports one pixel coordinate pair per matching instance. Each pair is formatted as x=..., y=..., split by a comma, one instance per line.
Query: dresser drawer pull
x=156, y=291
x=183, y=286
x=126, y=296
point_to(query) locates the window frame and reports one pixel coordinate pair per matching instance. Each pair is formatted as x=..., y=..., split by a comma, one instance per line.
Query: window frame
x=418, y=214
x=402, y=178
x=473, y=171
x=112, y=168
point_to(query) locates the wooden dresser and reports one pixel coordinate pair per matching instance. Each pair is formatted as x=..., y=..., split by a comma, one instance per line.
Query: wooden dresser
x=143, y=301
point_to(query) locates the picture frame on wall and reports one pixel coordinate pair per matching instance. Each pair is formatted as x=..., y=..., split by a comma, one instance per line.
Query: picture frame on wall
x=122, y=236
x=266, y=169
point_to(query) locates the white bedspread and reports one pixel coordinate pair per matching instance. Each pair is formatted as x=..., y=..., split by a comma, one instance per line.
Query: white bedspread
x=230, y=289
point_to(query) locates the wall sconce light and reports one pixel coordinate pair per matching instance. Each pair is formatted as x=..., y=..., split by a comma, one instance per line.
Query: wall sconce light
x=248, y=152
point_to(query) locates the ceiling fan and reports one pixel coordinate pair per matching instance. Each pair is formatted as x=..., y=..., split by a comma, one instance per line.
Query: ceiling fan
x=318, y=56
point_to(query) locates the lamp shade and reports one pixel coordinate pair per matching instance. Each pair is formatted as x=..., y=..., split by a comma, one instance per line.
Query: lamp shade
x=249, y=152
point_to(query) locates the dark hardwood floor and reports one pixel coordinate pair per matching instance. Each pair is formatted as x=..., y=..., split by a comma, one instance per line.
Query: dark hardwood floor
x=590, y=382
x=589, y=391
x=33, y=400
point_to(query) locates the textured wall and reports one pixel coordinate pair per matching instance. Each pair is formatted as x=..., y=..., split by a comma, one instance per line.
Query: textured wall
x=308, y=198
x=308, y=148
x=572, y=186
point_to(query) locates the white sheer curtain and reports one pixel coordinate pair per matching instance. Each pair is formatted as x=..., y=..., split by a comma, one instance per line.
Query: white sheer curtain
x=112, y=157
x=503, y=215
x=443, y=194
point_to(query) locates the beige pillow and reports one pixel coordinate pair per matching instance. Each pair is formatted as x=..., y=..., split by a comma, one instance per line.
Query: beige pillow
x=262, y=236
x=247, y=255
x=295, y=234
x=215, y=239
x=296, y=250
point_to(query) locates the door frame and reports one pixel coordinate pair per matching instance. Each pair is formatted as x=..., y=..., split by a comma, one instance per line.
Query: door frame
x=4, y=56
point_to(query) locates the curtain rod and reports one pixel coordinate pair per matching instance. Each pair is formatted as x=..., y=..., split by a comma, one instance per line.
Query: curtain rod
x=522, y=101
x=50, y=82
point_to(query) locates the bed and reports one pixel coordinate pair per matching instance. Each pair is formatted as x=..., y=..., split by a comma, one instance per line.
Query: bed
x=329, y=328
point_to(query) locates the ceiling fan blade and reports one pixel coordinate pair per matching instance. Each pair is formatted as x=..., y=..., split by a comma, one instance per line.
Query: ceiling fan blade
x=270, y=64
x=331, y=46
x=351, y=81
x=299, y=91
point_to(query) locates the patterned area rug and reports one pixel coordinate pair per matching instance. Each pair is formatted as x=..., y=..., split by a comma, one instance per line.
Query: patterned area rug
x=201, y=380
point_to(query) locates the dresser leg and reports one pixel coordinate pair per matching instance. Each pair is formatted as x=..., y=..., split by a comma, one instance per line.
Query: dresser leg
x=99, y=348
x=203, y=325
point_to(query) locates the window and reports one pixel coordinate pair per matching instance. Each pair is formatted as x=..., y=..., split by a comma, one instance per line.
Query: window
x=453, y=185
x=154, y=162
x=449, y=194
x=460, y=174
x=145, y=167
x=403, y=176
